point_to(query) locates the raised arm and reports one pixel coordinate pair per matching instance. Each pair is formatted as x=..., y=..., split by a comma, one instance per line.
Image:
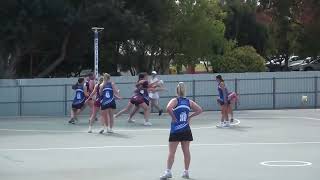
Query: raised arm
x=95, y=90
x=171, y=105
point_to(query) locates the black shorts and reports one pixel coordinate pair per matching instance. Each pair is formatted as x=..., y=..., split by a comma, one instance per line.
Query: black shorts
x=78, y=106
x=222, y=102
x=181, y=136
x=111, y=105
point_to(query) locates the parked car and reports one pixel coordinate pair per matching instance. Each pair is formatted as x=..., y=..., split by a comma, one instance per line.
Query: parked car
x=278, y=63
x=295, y=65
x=311, y=65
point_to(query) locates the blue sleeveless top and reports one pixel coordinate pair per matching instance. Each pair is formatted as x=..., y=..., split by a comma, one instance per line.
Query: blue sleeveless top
x=79, y=96
x=223, y=95
x=107, y=94
x=181, y=112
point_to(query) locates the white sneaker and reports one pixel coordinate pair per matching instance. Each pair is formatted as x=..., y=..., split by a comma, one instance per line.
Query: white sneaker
x=185, y=175
x=147, y=124
x=131, y=121
x=90, y=130
x=226, y=125
x=166, y=175
x=109, y=130
x=220, y=125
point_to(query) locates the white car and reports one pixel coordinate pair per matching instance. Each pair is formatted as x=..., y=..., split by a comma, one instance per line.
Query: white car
x=295, y=65
x=311, y=65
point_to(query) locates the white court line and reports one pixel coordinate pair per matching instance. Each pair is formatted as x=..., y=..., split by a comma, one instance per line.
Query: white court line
x=286, y=163
x=85, y=131
x=154, y=146
x=116, y=130
x=310, y=118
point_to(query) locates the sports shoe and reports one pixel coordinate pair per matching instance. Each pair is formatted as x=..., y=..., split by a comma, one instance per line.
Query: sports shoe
x=147, y=124
x=90, y=130
x=131, y=121
x=71, y=121
x=220, y=125
x=185, y=175
x=160, y=112
x=166, y=175
x=101, y=131
x=226, y=124
x=109, y=130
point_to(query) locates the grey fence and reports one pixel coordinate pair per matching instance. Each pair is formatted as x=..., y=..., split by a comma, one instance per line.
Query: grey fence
x=260, y=93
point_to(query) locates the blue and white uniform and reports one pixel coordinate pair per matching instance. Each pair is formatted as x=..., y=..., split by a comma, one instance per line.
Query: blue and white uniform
x=223, y=95
x=79, y=98
x=107, y=97
x=180, y=129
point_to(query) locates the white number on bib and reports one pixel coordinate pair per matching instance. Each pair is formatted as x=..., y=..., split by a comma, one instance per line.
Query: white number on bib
x=107, y=94
x=79, y=96
x=183, y=116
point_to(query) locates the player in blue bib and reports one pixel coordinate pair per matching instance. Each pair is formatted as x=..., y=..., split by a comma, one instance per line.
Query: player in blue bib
x=78, y=102
x=224, y=102
x=108, y=92
x=179, y=109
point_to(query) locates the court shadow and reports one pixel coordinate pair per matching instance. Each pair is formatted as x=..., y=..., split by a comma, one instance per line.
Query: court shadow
x=117, y=135
x=240, y=128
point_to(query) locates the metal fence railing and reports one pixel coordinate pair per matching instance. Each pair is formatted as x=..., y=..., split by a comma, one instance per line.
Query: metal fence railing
x=262, y=93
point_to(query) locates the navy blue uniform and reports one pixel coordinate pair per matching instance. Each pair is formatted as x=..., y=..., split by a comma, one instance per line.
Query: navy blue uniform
x=107, y=97
x=180, y=129
x=223, y=96
x=79, y=99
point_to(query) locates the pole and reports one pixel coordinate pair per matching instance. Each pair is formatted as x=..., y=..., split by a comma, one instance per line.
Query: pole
x=315, y=92
x=96, y=31
x=274, y=93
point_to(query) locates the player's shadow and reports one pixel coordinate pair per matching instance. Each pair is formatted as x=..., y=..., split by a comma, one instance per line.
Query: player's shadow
x=240, y=128
x=237, y=128
x=116, y=135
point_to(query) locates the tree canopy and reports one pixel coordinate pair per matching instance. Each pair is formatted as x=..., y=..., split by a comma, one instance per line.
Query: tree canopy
x=46, y=38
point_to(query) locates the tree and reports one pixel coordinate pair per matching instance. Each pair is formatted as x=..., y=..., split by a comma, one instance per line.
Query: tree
x=199, y=31
x=240, y=59
x=243, y=27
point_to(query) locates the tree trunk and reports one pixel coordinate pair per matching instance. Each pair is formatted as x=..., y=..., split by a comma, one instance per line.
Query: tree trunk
x=59, y=60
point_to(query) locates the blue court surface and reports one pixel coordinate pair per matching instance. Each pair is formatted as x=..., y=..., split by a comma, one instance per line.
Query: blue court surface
x=266, y=145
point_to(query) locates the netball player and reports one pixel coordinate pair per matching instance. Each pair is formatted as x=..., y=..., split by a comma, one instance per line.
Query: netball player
x=90, y=86
x=143, y=95
x=154, y=96
x=108, y=92
x=78, y=103
x=180, y=133
x=139, y=99
x=224, y=102
x=97, y=104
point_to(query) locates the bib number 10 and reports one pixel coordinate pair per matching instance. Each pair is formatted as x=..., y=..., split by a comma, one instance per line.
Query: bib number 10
x=183, y=117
